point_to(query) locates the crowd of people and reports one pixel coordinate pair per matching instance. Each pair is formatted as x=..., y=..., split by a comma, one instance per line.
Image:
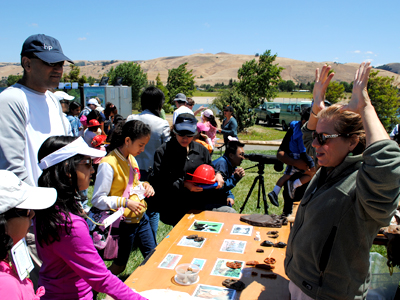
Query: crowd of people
x=342, y=165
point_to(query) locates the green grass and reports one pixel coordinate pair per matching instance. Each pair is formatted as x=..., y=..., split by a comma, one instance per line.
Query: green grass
x=240, y=191
x=198, y=93
x=294, y=95
x=261, y=133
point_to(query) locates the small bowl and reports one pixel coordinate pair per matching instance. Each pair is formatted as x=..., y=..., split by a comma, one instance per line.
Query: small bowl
x=187, y=274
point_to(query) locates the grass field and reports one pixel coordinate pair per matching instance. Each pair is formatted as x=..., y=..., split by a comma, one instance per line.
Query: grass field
x=240, y=191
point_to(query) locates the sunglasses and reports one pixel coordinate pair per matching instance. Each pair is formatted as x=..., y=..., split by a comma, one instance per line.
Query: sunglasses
x=17, y=213
x=323, y=137
x=51, y=65
x=87, y=162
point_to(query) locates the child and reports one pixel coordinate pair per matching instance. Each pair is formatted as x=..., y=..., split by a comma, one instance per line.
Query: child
x=71, y=264
x=202, y=138
x=17, y=202
x=207, y=117
x=297, y=150
x=117, y=185
x=91, y=131
x=74, y=110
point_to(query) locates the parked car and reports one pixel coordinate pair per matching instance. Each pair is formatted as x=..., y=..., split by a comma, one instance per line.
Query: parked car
x=291, y=111
x=268, y=112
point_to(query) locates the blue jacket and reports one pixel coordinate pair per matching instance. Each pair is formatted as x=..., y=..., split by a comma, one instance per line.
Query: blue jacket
x=223, y=165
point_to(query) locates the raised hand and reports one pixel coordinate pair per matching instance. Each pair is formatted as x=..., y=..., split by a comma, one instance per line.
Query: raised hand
x=359, y=96
x=322, y=81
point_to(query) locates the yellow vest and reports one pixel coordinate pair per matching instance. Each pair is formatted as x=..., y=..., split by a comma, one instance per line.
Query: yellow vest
x=121, y=169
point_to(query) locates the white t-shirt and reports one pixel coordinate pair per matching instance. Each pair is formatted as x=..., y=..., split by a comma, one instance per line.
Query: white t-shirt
x=181, y=110
x=27, y=119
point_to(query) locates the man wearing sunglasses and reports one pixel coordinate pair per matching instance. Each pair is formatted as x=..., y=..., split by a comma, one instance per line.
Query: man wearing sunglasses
x=30, y=114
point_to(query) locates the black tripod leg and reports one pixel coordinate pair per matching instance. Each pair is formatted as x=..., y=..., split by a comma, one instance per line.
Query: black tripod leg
x=260, y=178
x=266, y=206
x=249, y=194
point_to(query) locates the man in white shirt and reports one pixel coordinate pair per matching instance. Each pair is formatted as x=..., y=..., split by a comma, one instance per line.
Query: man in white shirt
x=180, y=103
x=29, y=112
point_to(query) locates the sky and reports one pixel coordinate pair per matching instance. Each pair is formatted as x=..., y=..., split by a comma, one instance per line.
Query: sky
x=342, y=31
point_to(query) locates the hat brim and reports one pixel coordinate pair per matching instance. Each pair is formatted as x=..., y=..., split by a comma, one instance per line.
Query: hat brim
x=180, y=127
x=52, y=57
x=37, y=197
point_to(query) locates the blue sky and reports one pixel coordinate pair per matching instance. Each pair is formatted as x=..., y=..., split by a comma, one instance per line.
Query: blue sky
x=342, y=31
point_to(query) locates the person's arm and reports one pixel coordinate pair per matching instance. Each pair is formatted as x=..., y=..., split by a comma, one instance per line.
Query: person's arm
x=200, y=109
x=361, y=103
x=231, y=129
x=12, y=137
x=102, y=188
x=322, y=81
x=166, y=133
x=78, y=252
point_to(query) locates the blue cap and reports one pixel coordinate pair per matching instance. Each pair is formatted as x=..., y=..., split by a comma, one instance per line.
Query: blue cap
x=185, y=124
x=44, y=47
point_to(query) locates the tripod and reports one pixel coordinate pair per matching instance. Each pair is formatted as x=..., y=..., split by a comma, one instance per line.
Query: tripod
x=261, y=186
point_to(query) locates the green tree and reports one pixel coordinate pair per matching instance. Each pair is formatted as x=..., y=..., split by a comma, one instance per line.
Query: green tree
x=245, y=117
x=258, y=81
x=167, y=107
x=133, y=76
x=74, y=73
x=385, y=98
x=12, y=79
x=180, y=80
x=91, y=80
x=334, y=92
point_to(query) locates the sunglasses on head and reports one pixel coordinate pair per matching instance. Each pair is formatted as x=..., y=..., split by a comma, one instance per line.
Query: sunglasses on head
x=323, y=137
x=17, y=213
x=52, y=65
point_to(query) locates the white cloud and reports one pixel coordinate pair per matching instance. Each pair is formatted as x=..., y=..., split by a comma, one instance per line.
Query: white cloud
x=33, y=25
x=369, y=52
x=207, y=25
x=197, y=50
x=357, y=51
x=369, y=59
x=81, y=39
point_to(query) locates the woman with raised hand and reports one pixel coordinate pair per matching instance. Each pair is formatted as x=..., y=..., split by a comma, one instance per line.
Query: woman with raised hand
x=71, y=264
x=353, y=195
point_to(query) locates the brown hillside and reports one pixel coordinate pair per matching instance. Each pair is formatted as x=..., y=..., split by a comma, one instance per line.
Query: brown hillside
x=213, y=68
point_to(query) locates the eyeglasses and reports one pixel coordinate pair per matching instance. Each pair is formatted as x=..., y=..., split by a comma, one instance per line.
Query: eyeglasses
x=51, y=65
x=323, y=137
x=17, y=213
x=88, y=162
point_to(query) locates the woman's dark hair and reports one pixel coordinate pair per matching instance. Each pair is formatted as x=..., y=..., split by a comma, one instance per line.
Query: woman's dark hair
x=152, y=99
x=110, y=108
x=211, y=119
x=134, y=129
x=73, y=105
x=94, y=114
x=6, y=242
x=63, y=178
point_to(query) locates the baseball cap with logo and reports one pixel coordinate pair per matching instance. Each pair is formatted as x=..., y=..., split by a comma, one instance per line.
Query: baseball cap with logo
x=44, y=47
x=15, y=193
x=185, y=124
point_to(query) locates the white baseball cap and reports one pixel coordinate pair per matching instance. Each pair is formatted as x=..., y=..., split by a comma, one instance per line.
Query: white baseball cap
x=208, y=113
x=63, y=96
x=16, y=193
x=93, y=101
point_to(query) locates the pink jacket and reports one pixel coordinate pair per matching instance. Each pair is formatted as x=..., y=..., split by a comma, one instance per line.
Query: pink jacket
x=72, y=267
x=12, y=288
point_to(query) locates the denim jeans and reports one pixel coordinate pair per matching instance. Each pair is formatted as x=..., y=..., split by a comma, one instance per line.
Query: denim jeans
x=140, y=233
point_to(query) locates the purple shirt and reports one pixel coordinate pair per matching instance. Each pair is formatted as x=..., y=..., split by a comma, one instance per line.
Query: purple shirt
x=72, y=267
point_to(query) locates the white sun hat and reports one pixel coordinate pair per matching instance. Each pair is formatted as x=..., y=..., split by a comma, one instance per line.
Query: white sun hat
x=16, y=193
x=78, y=146
x=63, y=96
